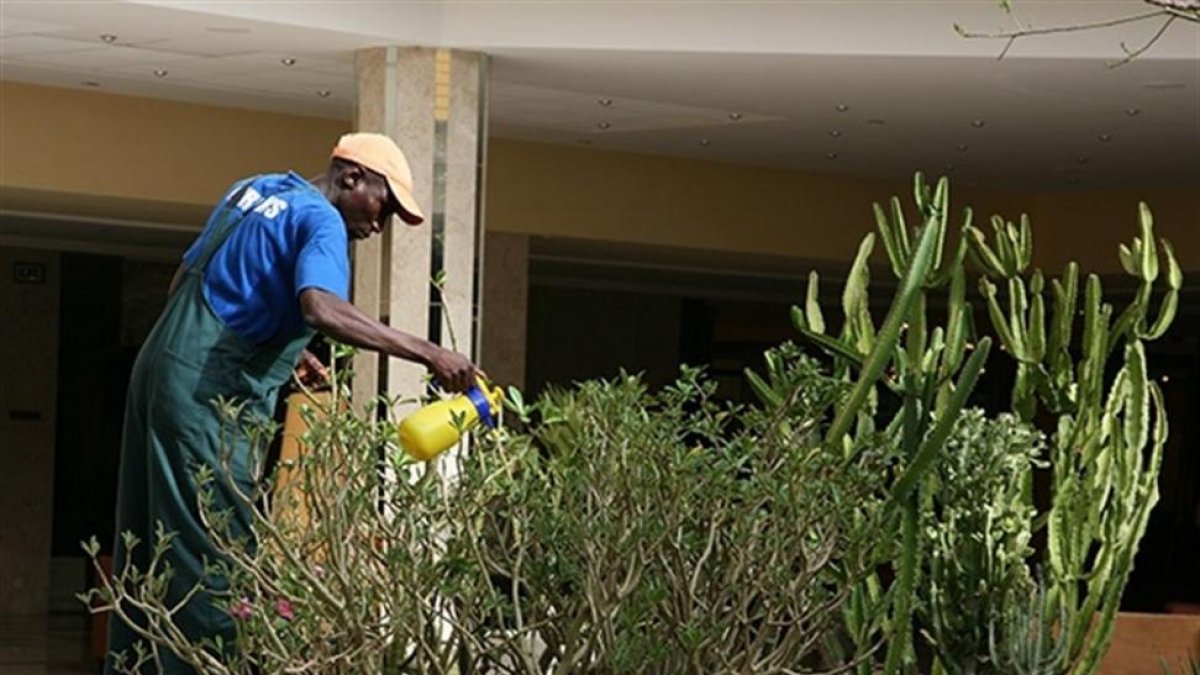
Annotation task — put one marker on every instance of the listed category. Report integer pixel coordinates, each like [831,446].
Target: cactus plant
[933,372]
[1030,643]
[1105,444]
[1104,480]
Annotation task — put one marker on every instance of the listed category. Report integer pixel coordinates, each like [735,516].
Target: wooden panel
[1141,640]
[289,503]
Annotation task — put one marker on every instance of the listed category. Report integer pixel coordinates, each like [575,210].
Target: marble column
[424,280]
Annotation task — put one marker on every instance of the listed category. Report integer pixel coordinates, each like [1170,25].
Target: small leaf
[812,305]
[1127,260]
[1174,273]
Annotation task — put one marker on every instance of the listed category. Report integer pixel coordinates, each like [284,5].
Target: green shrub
[621,531]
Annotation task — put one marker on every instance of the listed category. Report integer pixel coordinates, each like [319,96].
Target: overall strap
[229,217]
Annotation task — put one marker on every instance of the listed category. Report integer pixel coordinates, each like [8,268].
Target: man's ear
[350,177]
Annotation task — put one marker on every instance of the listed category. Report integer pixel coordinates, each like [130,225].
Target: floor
[45,645]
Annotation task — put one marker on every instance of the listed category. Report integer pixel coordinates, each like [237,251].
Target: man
[270,267]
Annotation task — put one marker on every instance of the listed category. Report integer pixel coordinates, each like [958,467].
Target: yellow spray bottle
[437,427]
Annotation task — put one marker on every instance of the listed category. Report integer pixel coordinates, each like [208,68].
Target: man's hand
[454,371]
[310,371]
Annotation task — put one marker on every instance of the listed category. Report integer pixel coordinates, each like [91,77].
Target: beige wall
[1088,226]
[99,144]
[113,155]
[554,190]
[28,373]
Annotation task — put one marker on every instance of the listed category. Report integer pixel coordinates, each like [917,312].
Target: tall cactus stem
[890,245]
[1166,315]
[900,644]
[941,199]
[999,322]
[1017,307]
[936,439]
[1004,247]
[1036,335]
[1149,261]
[901,229]
[1026,242]
[1066,294]
[888,334]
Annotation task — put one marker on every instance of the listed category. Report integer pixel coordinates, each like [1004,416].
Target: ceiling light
[961,147]
[842,107]
[735,116]
[108,37]
[1104,138]
[831,155]
[1165,379]
[835,133]
[1132,112]
[605,102]
[324,93]
[877,121]
[159,72]
[705,142]
[604,126]
[288,61]
[978,124]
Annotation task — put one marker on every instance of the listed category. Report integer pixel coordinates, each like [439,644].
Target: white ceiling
[916,95]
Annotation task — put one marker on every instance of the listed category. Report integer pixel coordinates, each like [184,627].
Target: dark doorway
[107,307]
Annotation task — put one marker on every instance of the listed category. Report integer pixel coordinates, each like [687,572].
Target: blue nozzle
[482,406]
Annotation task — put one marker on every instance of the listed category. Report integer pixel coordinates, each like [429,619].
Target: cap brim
[408,210]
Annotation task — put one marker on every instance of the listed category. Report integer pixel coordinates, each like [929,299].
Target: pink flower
[242,609]
[284,609]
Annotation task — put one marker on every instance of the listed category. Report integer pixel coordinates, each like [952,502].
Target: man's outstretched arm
[342,321]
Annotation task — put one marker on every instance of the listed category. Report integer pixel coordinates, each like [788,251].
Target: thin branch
[1131,55]
[1186,6]
[1169,9]
[1022,32]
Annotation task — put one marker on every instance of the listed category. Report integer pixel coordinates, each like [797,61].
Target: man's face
[364,203]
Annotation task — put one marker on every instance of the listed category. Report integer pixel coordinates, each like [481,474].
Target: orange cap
[380,154]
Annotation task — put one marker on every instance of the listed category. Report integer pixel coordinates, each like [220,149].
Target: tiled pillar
[433,102]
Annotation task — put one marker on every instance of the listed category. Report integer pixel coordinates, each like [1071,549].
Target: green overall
[172,428]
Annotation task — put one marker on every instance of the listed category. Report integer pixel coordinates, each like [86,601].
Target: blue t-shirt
[290,238]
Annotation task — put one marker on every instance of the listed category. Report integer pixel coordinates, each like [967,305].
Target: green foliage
[666,533]
[1189,666]
[978,534]
[964,511]
[619,532]
[1030,638]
